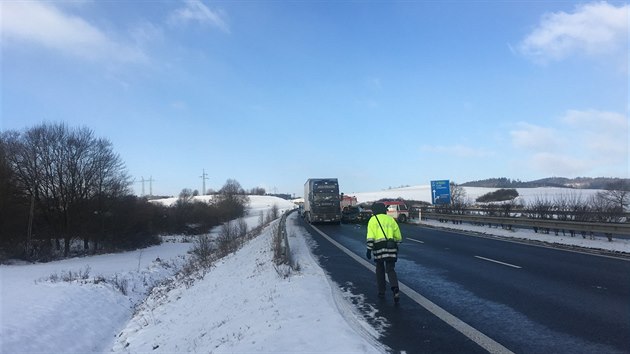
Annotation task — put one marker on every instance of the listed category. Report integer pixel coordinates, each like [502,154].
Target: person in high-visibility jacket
[381,229]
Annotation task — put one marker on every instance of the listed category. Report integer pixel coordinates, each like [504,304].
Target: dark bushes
[498,196]
[65,192]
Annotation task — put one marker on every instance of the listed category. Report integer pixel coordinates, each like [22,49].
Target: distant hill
[562,182]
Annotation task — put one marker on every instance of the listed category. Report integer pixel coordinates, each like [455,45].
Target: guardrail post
[286,251]
[540,225]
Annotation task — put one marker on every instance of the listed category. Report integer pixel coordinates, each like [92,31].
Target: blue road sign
[440,192]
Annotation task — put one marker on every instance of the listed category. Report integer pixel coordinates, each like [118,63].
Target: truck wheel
[402,218]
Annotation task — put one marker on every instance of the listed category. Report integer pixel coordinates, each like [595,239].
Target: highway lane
[407,327]
[528,298]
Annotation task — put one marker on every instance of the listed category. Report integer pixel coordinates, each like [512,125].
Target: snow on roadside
[39,316]
[245,305]
[596,243]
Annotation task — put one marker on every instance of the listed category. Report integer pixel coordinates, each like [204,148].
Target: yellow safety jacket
[377,242]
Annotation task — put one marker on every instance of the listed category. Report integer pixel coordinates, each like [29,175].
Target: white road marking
[499,262]
[464,328]
[411,239]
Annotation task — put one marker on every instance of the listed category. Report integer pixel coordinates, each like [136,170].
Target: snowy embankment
[243,304]
[80,316]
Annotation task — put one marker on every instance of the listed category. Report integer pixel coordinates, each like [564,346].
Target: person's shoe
[396,294]
[381,295]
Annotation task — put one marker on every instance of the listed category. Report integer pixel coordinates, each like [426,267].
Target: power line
[204,177]
[150,180]
[142,180]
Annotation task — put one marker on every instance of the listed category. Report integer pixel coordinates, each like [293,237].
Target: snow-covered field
[242,305]
[423,193]
[39,316]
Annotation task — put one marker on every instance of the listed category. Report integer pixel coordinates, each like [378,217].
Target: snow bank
[82,316]
[256,202]
[245,305]
[595,243]
[39,316]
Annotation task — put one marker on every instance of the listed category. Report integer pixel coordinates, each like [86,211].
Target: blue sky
[377,93]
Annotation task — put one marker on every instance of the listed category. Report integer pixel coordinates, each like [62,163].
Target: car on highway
[398,210]
[355,215]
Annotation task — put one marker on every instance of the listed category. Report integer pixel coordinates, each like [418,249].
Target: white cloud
[197,11]
[42,24]
[605,134]
[583,143]
[598,120]
[458,151]
[559,165]
[534,137]
[146,33]
[596,30]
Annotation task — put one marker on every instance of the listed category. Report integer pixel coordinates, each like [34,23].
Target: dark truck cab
[321,200]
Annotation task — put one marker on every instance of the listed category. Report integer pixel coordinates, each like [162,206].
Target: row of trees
[253,191]
[562,182]
[607,205]
[59,184]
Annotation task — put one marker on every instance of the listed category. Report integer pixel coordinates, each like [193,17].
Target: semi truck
[321,201]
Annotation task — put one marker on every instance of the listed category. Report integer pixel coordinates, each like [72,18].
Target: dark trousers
[383,267]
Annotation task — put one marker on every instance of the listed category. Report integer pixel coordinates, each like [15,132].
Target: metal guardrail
[603,228]
[516,212]
[282,228]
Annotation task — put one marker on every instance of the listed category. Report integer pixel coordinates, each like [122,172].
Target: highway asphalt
[468,294]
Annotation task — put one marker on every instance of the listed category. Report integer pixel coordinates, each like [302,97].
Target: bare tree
[605,209]
[275,212]
[242,228]
[185,196]
[258,191]
[232,199]
[617,193]
[62,168]
[232,188]
[458,194]
[14,207]
[458,198]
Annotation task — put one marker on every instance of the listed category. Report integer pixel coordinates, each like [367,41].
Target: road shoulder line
[473,334]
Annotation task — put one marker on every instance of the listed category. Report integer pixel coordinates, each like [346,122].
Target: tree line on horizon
[560,182]
[61,187]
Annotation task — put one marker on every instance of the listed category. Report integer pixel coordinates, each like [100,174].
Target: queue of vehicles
[324,204]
